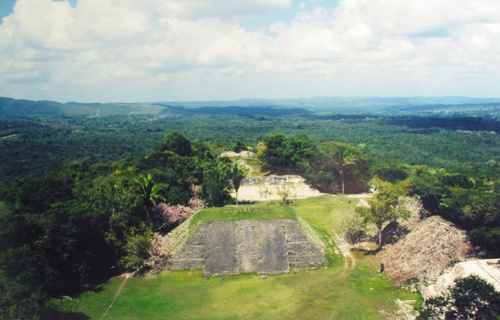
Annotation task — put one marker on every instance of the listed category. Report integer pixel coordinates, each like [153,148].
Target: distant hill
[12,107]
[327,103]
[15,108]
[272,107]
[238,110]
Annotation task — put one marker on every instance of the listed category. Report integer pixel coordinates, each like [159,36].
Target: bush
[137,247]
[353,227]
[471,298]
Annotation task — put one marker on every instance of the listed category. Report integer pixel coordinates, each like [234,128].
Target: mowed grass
[305,295]
[244,212]
[325,293]
[325,213]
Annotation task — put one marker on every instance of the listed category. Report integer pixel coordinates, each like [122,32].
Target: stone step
[262,246]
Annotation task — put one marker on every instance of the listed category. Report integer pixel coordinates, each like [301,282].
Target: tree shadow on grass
[52,314]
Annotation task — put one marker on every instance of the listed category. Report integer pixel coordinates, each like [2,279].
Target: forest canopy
[82,197]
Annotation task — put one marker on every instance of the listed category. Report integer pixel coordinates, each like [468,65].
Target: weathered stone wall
[262,246]
[251,188]
[488,270]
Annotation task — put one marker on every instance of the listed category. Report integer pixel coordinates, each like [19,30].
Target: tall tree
[137,247]
[239,146]
[274,153]
[384,206]
[149,192]
[177,143]
[340,157]
[237,173]
[299,148]
[287,152]
[216,184]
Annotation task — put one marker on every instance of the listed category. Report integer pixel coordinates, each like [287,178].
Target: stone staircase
[262,246]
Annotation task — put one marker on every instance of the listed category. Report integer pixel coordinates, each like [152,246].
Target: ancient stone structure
[262,246]
[488,269]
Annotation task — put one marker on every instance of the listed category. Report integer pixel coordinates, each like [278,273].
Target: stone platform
[262,246]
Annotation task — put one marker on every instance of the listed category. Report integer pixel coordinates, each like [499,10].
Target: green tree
[237,173]
[20,296]
[286,152]
[177,143]
[390,170]
[107,194]
[424,182]
[384,206]
[216,183]
[471,298]
[137,247]
[239,146]
[342,158]
[274,153]
[352,225]
[299,148]
[149,192]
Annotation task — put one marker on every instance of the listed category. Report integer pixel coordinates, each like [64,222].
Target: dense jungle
[80,183]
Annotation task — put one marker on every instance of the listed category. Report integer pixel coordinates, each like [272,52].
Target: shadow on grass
[366,252]
[52,314]
[97,289]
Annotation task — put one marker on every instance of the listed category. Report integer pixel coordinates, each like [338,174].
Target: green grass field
[244,212]
[326,293]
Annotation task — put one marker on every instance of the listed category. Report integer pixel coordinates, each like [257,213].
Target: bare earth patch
[254,189]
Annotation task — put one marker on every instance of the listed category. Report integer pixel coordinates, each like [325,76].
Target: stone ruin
[247,246]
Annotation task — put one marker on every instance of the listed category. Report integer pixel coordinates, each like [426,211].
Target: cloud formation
[151,50]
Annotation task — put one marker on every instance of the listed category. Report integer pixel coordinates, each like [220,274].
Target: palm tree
[216,183]
[237,173]
[149,192]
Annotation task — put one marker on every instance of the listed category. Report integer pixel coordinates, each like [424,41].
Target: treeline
[449,123]
[43,144]
[66,231]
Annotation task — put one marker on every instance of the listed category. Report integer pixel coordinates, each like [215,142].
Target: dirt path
[9,136]
[125,279]
[349,260]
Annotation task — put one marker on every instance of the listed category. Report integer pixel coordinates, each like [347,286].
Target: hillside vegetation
[83,197]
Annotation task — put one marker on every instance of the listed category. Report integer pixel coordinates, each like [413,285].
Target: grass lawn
[326,293]
[244,212]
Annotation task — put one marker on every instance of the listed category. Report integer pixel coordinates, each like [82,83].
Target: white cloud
[217,8]
[187,49]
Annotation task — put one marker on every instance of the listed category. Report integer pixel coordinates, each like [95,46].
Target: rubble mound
[262,246]
[488,270]
[426,251]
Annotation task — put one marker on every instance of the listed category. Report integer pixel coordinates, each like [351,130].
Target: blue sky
[254,21]
[164,50]
[6,7]
[284,14]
